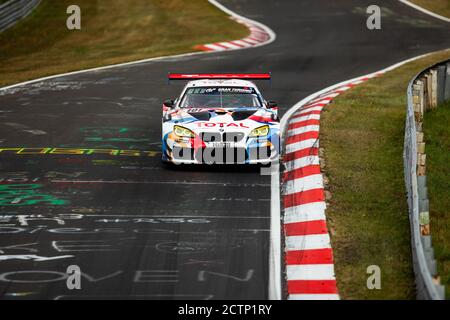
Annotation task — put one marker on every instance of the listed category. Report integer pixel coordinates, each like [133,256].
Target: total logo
[221,125]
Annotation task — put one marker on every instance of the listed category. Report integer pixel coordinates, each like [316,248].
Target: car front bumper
[181,154]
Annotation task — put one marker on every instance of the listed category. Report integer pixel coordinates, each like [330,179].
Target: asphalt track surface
[139,230]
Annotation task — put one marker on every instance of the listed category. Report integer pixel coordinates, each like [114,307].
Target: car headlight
[260,132]
[183,132]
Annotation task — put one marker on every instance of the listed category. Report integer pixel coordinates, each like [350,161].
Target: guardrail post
[418,101]
[424,216]
[447,83]
[441,70]
[434,91]
[422,187]
[441,290]
[427,92]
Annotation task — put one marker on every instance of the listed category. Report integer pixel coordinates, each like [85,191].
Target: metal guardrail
[425,91]
[14,10]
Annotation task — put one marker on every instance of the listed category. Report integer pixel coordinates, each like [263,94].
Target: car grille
[222,137]
[211,136]
[232,136]
[221,155]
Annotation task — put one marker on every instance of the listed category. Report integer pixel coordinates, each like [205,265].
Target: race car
[220,119]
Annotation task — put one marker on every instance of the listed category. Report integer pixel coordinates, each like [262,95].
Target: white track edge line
[417,7]
[275,235]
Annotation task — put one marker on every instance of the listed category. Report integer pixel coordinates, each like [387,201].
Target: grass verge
[111,32]
[441,7]
[362,134]
[437,138]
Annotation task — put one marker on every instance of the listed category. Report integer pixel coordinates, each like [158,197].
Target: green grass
[112,31]
[362,134]
[441,7]
[437,142]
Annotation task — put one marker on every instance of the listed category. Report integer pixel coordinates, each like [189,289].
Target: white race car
[220,119]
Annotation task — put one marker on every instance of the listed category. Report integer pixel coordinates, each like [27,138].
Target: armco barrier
[14,10]
[425,91]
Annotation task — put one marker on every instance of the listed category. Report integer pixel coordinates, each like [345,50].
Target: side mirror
[168,103]
[272,104]
[166,110]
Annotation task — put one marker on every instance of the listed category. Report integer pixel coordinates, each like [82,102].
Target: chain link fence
[14,10]
[425,91]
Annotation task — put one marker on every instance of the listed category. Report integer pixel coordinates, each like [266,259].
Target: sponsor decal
[74,151]
[221,125]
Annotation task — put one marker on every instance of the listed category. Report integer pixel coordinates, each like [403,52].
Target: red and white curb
[308,255]
[259,34]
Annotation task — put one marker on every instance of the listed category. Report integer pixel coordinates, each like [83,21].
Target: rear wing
[200,76]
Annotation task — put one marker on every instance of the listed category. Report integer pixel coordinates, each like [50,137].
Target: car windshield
[220,97]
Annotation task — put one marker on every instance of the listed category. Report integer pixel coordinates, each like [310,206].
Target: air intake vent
[242,115]
[202,116]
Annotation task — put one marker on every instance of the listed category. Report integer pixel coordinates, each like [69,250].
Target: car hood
[223,117]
